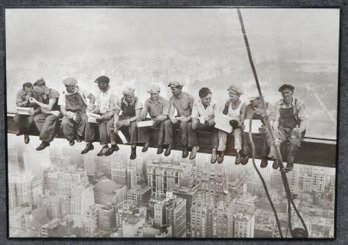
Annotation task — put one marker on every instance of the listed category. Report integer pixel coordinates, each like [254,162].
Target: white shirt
[198,110]
[106,101]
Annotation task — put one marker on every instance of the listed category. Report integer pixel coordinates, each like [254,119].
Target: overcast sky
[90,33]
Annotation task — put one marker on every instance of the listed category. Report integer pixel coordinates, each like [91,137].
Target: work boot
[79,138]
[221,155]
[168,150]
[264,163]
[145,148]
[244,160]
[43,145]
[275,164]
[185,152]
[71,142]
[18,133]
[89,147]
[238,158]
[213,156]
[103,150]
[291,157]
[160,150]
[289,167]
[133,154]
[111,150]
[194,151]
[26,139]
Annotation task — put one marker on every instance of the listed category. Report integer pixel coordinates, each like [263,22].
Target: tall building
[188,194]
[170,213]
[12,194]
[165,176]
[90,220]
[82,198]
[176,212]
[222,221]
[131,178]
[104,167]
[106,218]
[140,194]
[24,189]
[244,225]
[119,175]
[36,189]
[89,163]
[309,179]
[199,219]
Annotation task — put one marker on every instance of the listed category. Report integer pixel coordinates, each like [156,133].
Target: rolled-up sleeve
[115,102]
[165,110]
[194,113]
[19,99]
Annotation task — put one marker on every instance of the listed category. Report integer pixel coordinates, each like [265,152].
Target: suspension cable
[298,232]
[262,180]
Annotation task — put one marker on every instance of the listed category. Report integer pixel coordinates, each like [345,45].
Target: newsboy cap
[128,91]
[286,86]
[174,84]
[255,97]
[235,89]
[153,89]
[69,81]
[104,79]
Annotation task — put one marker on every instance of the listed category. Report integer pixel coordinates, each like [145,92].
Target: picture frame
[340,155]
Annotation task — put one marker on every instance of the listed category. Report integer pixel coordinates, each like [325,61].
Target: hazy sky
[34,34]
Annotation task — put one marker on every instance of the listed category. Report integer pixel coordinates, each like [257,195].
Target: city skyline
[65,198]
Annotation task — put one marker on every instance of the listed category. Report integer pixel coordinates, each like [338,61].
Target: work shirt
[208,113]
[182,103]
[50,94]
[106,101]
[83,93]
[257,113]
[129,109]
[155,108]
[22,97]
[298,110]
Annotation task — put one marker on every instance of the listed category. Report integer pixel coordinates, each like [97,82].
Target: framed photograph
[172,122]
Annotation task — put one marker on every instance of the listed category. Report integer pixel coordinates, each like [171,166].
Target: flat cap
[128,91]
[286,86]
[255,97]
[174,84]
[69,81]
[153,89]
[235,89]
[104,79]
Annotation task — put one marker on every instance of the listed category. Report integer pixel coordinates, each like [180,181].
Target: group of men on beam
[287,117]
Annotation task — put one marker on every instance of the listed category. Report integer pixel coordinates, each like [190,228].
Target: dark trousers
[161,133]
[46,123]
[265,147]
[23,123]
[186,132]
[105,132]
[71,128]
[290,142]
[213,134]
[131,130]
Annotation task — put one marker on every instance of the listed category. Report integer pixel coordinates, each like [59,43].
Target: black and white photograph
[172,122]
